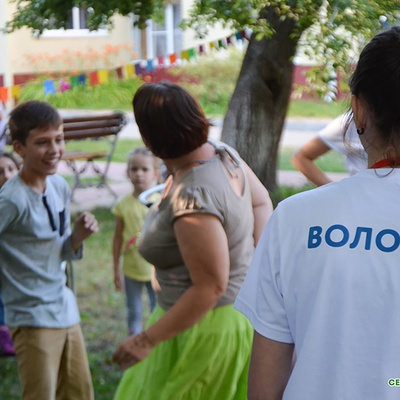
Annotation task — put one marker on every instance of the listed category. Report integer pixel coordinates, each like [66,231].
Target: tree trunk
[256,114]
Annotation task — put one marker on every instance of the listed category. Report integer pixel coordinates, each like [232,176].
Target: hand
[132,350]
[85,225]
[118,281]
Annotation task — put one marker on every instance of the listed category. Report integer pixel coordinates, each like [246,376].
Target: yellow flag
[15,92]
[185,55]
[103,76]
[129,71]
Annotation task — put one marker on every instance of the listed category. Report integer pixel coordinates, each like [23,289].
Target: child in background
[9,167]
[143,171]
[35,237]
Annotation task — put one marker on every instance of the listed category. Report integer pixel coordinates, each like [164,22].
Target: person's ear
[359,112]
[18,148]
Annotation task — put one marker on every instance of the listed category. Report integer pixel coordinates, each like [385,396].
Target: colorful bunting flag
[212,45]
[74,81]
[129,71]
[150,66]
[173,58]
[201,49]
[239,36]
[94,78]
[160,60]
[64,85]
[49,87]
[3,94]
[191,53]
[103,76]
[229,41]
[185,55]
[138,69]
[221,44]
[82,79]
[118,73]
[15,92]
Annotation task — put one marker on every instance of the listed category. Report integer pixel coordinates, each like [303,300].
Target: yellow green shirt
[132,212]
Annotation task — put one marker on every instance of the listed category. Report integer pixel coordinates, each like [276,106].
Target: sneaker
[6,345]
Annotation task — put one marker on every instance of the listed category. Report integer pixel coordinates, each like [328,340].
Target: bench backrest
[92,126]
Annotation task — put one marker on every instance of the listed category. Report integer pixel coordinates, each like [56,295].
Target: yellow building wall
[59,51]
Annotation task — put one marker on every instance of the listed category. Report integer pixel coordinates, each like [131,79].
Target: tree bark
[256,113]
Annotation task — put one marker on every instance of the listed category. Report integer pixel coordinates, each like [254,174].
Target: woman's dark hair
[32,115]
[170,120]
[376,80]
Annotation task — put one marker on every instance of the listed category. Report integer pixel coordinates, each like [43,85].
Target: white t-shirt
[315,282]
[352,150]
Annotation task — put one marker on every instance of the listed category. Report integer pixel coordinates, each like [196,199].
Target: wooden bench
[95,127]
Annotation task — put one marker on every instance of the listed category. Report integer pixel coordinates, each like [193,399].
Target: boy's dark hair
[376,80]
[11,157]
[31,115]
[170,120]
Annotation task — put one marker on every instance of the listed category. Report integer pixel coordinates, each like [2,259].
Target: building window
[76,26]
[166,37]
[77,18]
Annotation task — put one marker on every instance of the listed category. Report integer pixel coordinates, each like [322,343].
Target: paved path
[296,133]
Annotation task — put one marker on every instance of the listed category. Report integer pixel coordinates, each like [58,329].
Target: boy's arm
[117,246]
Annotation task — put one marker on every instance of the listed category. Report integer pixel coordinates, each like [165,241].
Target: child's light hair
[144,151]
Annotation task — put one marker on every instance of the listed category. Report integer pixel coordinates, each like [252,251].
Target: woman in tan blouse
[200,237]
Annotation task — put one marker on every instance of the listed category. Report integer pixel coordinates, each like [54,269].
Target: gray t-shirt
[34,240]
[205,189]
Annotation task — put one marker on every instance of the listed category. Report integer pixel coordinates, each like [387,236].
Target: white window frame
[76,31]
[168,32]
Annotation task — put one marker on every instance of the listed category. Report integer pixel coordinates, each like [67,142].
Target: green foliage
[329,33]
[39,15]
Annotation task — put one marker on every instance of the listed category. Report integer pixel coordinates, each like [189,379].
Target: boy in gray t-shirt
[35,237]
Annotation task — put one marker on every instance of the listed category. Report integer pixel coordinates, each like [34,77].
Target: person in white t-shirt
[331,138]
[323,287]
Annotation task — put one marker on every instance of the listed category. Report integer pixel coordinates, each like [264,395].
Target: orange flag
[3,94]
[172,58]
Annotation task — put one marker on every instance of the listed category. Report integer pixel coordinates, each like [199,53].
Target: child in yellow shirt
[143,171]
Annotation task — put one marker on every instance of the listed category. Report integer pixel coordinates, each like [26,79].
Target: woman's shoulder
[223,147]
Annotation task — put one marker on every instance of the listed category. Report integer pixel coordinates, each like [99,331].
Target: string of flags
[140,68]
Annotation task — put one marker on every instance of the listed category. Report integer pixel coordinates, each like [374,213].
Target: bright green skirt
[210,361]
